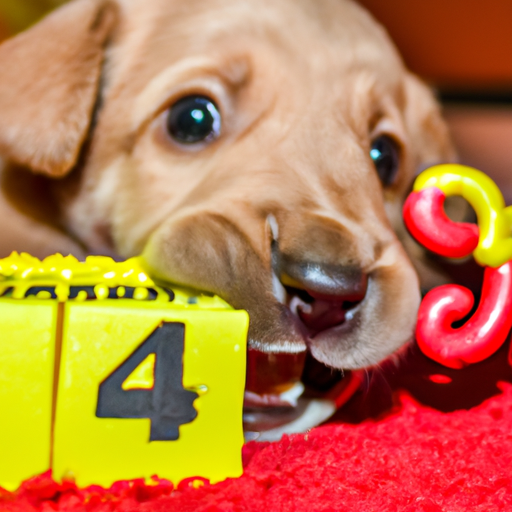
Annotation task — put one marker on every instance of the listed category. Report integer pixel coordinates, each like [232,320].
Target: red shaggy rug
[443,445]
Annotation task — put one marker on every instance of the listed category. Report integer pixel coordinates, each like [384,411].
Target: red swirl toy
[491,245]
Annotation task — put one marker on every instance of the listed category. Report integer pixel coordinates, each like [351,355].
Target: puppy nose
[326,292]
[324,281]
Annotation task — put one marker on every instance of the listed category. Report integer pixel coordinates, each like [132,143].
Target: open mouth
[288,393]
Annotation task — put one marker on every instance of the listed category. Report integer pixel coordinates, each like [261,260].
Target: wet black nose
[348,283]
[327,292]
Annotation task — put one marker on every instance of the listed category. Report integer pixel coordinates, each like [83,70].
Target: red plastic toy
[487,329]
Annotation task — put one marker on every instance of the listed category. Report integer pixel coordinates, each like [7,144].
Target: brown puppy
[259,150]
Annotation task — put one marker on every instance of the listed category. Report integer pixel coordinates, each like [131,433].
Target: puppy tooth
[350,314]
[297,303]
[293,394]
[278,289]
[273,225]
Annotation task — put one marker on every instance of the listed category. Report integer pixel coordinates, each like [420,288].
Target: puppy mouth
[291,393]
[287,393]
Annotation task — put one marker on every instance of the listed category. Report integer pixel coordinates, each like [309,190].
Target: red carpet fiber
[413,458]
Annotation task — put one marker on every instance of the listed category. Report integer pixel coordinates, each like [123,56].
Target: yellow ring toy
[494,218]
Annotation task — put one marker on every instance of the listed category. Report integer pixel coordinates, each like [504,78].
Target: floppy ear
[429,135]
[49,77]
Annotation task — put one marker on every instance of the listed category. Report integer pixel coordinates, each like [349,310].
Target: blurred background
[15,15]
[463,48]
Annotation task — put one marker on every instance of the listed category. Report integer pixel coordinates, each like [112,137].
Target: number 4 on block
[133,389]
[167,404]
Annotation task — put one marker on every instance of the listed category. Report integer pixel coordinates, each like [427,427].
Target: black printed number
[168,405]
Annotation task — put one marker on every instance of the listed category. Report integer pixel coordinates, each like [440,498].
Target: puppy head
[257,150]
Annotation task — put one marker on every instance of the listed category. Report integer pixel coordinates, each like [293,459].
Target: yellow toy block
[27,354]
[188,424]
[140,379]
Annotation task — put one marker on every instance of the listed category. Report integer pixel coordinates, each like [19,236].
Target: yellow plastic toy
[106,376]
[494,218]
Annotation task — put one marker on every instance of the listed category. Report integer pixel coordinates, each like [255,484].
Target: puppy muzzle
[349,316]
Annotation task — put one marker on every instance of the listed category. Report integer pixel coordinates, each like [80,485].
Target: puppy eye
[194,119]
[386,158]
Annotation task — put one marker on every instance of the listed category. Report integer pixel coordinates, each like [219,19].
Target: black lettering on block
[168,405]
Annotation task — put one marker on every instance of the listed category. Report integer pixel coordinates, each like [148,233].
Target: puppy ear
[49,80]
[429,135]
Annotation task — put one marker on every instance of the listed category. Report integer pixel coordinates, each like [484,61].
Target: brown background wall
[457,44]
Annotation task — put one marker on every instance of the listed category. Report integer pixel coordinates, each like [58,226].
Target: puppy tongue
[273,379]
[322,314]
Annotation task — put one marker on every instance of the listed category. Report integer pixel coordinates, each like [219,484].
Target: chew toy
[491,245]
[107,376]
